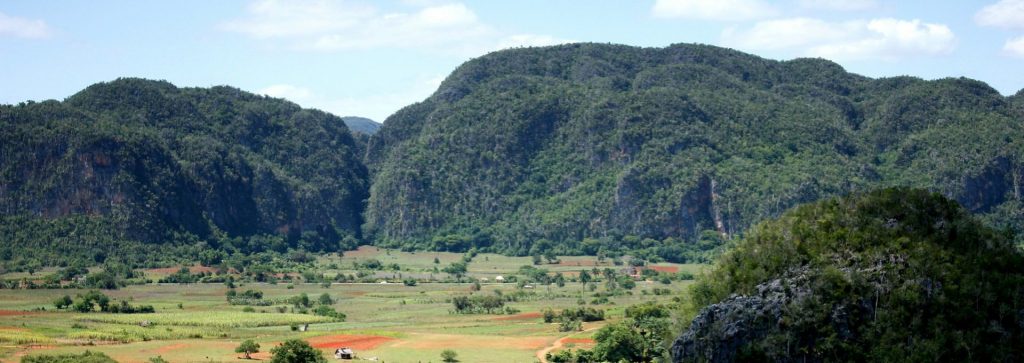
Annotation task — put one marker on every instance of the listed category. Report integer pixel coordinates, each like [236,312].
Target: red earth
[668,269]
[16,312]
[523,316]
[362,342]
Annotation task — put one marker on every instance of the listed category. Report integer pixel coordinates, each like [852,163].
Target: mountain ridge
[756,135]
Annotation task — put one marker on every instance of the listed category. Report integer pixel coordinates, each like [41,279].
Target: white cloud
[787,33]
[839,5]
[1015,46]
[852,40]
[528,40]
[1003,14]
[727,10]
[292,93]
[23,28]
[346,25]
[376,106]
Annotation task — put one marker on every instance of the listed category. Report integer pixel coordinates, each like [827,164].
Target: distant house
[484,279]
[635,272]
[499,279]
[344,353]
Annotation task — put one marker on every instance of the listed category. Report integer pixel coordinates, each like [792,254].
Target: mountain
[129,166]
[361,124]
[585,148]
[896,275]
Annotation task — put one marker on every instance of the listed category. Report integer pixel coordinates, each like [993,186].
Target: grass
[215,319]
[417,320]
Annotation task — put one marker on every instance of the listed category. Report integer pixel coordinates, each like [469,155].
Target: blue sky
[370,58]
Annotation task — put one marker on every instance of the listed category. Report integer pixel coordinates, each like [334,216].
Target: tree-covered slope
[144,161]
[586,146]
[895,275]
[361,124]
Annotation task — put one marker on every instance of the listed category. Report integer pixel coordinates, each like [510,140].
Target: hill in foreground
[896,275]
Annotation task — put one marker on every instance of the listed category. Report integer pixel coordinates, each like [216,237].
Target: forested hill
[584,147]
[361,124]
[134,161]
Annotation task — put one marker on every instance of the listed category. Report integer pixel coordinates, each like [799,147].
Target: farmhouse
[344,353]
[499,278]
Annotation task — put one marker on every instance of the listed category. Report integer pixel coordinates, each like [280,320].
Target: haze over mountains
[573,149]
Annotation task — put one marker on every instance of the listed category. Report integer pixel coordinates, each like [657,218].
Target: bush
[63,302]
[296,351]
[248,347]
[549,316]
[324,310]
[449,356]
[87,357]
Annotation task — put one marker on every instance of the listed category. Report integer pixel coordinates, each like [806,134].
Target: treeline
[88,302]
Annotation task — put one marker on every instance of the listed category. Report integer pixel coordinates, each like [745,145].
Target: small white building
[499,278]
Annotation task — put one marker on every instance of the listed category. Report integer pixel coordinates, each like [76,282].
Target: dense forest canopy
[123,167]
[585,147]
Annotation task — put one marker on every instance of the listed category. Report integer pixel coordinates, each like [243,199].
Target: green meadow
[386,319]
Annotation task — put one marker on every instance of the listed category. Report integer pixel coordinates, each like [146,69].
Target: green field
[389,321]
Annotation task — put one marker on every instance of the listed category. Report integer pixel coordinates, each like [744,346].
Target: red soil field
[523,316]
[668,269]
[169,348]
[16,312]
[362,342]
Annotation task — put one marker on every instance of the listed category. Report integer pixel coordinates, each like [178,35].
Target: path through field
[542,354]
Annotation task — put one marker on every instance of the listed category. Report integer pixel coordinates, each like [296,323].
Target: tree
[302,301]
[550,256]
[296,351]
[449,356]
[248,347]
[63,302]
[584,277]
[325,299]
[457,269]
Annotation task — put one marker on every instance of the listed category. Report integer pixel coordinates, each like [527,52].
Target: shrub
[248,347]
[449,356]
[296,351]
[87,357]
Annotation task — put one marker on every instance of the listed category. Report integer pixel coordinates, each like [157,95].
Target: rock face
[719,332]
[723,332]
[897,275]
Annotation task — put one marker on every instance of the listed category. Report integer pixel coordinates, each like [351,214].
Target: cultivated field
[390,322]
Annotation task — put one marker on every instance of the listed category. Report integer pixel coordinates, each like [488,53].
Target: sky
[371,58]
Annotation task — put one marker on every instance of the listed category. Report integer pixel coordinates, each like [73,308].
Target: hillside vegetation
[896,275]
[131,167]
[592,148]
